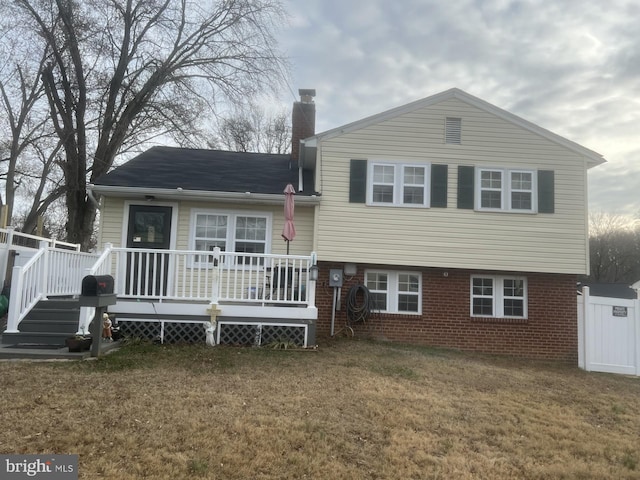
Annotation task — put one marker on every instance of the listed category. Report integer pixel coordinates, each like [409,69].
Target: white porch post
[10,231]
[311,294]
[83,320]
[44,286]
[14,305]
[311,301]
[215,276]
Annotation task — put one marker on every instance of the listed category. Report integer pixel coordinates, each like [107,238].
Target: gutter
[182,194]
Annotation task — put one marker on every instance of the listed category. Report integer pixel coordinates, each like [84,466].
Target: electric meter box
[335,278]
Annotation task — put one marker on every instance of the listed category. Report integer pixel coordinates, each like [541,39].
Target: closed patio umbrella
[289,230]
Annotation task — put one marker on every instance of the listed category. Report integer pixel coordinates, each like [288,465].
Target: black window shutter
[358,181]
[466,178]
[439,185]
[546,191]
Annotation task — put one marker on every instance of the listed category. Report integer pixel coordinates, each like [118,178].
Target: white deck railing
[50,272]
[161,275]
[9,238]
[213,276]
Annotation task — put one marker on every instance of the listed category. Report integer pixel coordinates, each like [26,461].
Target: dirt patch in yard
[353,409]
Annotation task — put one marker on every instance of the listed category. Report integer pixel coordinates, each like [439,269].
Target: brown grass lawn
[351,410]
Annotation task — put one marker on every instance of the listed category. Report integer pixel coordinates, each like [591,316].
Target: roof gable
[593,158]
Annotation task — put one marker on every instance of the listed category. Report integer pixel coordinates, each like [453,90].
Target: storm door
[149,229]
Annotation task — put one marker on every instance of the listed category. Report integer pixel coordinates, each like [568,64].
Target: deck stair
[49,323]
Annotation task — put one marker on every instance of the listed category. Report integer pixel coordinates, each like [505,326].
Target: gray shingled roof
[207,170]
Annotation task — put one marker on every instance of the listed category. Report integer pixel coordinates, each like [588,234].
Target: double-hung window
[500,297]
[506,190]
[395,292]
[399,184]
[521,190]
[250,234]
[231,232]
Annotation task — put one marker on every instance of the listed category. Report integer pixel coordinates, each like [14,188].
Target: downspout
[300,184]
[92,198]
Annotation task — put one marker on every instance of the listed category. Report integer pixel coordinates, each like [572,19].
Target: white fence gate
[608,334]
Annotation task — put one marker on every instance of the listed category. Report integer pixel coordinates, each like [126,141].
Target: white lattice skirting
[227,333]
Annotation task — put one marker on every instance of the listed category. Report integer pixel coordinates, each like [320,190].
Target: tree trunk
[81,217]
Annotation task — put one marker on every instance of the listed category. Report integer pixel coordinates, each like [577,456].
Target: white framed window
[395,292]
[383,184]
[242,232]
[398,184]
[499,297]
[250,234]
[521,190]
[506,190]
[210,231]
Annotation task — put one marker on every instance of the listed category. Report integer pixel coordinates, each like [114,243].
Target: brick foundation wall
[549,332]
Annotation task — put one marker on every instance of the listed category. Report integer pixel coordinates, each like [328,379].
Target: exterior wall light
[313,269]
[313,273]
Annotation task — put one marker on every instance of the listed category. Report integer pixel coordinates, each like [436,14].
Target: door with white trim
[148,229]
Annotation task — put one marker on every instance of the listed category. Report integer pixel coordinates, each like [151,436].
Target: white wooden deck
[173,285]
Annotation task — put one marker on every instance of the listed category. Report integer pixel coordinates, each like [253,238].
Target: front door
[149,228]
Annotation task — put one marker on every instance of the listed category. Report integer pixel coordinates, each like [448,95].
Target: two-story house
[466,224]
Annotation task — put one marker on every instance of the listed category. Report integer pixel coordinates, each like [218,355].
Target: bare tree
[121,72]
[251,129]
[27,140]
[277,137]
[237,134]
[614,245]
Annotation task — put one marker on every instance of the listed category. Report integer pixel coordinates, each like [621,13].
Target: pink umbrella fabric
[289,230]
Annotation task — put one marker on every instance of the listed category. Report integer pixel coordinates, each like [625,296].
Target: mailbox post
[97,291]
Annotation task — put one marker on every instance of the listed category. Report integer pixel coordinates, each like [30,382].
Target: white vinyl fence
[608,334]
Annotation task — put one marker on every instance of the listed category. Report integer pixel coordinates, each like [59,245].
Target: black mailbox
[97,291]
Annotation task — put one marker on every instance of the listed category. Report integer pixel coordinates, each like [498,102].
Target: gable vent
[453,130]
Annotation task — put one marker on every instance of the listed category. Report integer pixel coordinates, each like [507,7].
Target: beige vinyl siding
[451,237]
[111,221]
[114,211]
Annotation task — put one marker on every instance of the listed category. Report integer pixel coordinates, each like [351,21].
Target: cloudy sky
[570,66]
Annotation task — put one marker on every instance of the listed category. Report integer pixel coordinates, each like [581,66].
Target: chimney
[303,120]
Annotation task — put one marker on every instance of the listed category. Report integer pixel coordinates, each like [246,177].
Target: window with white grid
[500,297]
[395,292]
[506,190]
[398,184]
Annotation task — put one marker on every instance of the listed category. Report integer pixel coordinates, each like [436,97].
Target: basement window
[395,292]
[498,297]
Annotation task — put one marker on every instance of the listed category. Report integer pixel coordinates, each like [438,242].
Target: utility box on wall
[335,278]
